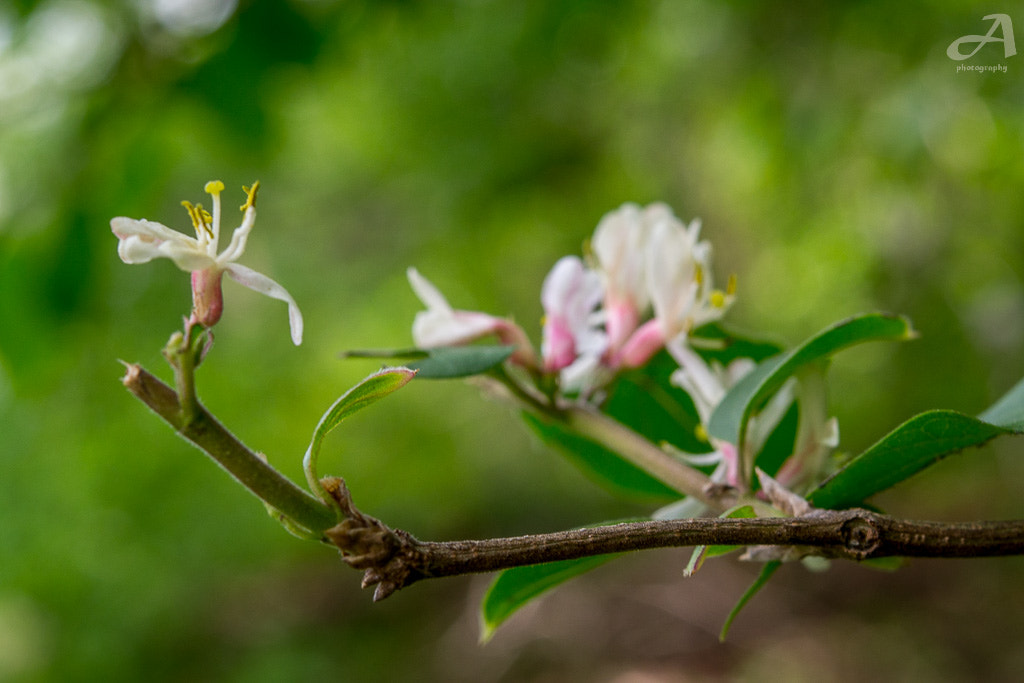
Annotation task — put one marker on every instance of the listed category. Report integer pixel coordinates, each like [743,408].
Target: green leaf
[730,418]
[369,391]
[443,362]
[460,361]
[514,588]
[387,354]
[604,466]
[759,583]
[916,444]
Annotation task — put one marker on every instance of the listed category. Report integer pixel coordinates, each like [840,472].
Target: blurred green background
[839,162]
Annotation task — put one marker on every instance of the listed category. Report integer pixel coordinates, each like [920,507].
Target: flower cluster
[141,241]
[646,286]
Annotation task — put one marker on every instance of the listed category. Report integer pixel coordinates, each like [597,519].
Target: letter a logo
[1003,23]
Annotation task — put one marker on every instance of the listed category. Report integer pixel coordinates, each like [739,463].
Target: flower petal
[618,245]
[264,285]
[433,327]
[440,324]
[141,241]
[425,290]
[123,226]
[570,294]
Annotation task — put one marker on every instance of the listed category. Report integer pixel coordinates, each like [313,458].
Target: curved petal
[425,290]
[264,285]
[239,237]
[141,241]
[123,226]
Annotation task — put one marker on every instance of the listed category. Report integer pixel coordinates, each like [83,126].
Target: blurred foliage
[838,160]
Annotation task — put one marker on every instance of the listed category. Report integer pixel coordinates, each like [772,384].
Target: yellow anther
[214,187]
[698,275]
[701,433]
[201,218]
[718,298]
[251,196]
[730,287]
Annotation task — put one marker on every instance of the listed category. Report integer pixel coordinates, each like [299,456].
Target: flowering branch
[641,298]
[393,559]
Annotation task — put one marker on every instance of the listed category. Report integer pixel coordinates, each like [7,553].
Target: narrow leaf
[369,391]
[916,444]
[516,587]
[730,418]
[460,361]
[442,362]
[759,583]
[389,354]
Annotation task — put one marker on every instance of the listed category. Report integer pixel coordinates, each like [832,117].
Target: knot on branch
[366,543]
[860,537]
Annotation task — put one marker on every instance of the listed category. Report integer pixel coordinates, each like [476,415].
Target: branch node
[860,537]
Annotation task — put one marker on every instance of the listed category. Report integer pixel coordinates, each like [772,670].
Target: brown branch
[394,559]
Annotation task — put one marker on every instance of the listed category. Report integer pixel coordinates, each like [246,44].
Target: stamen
[718,298]
[730,287]
[214,187]
[251,192]
[201,218]
[698,275]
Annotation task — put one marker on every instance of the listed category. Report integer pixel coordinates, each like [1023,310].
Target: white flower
[620,249]
[678,272]
[141,241]
[574,340]
[679,277]
[442,325]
